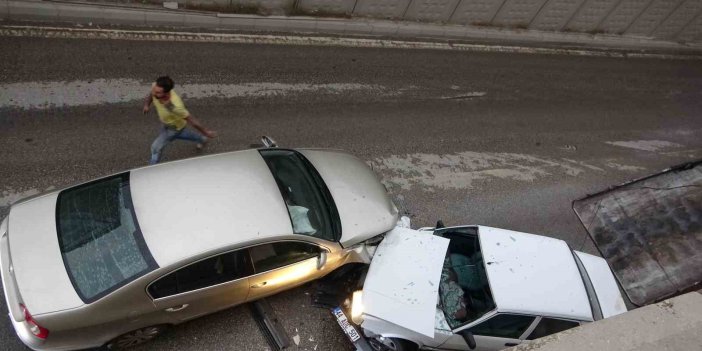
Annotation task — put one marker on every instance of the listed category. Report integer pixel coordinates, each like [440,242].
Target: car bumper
[26,336]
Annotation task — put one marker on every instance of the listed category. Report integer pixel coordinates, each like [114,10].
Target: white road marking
[626,168]
[461,170]
[586,165]
[466,95]
[43,95]
[90,33]
[645,145]
[10,196]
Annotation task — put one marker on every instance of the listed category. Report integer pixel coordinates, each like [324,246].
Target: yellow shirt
[173,112]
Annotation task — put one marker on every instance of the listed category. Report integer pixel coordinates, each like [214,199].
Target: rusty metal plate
[650,232]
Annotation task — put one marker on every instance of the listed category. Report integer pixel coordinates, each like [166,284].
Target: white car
[464,287]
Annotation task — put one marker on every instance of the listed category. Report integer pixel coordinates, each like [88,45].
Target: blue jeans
[169,134]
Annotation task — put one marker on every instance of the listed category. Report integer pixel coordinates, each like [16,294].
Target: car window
[509,326]
[548,326]
[271,256]
[464,290]
[309,203]
[99,237]
[208,272]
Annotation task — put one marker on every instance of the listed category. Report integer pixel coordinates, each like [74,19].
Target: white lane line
[42,95]
[626,168]
[584,164]
[466,170]
[469,95]
[645,145]
[462,170]
[90,33]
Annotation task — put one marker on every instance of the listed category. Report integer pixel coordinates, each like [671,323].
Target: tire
[136,337]
[392,344]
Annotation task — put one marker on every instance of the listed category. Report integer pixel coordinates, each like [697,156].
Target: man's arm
[147,102]
[196,124]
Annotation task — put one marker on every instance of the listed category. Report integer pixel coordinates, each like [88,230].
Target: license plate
[345,325]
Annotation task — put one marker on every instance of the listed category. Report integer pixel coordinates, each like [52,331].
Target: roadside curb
[238,38]
[100,14]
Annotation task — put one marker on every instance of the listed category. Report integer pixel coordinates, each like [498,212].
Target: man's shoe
[201,145]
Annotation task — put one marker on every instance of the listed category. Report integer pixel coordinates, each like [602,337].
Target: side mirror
[322,260]
[468,337]
[268,141]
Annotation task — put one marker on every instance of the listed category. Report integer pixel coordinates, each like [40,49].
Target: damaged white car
[469,287]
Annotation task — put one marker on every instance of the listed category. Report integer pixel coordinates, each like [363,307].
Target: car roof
[193,206]
[533,274]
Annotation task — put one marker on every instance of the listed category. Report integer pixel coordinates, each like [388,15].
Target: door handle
[511,344]
[259,285]
[179,308]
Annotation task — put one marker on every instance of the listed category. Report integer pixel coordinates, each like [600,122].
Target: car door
[203,287]
[498,332]
[282,265]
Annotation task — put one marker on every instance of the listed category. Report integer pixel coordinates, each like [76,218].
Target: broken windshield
[101,244]
[310,205]
[464,290]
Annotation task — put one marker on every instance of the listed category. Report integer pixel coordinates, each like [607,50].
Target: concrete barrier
[477,13]
[33,10]
[431,10]
[517,13]
[327,7]
[678,20]
[675,20]
[657,25]
[391,9]
[673,324]
[4,9]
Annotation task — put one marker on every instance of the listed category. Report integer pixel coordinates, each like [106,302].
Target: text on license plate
[345,325]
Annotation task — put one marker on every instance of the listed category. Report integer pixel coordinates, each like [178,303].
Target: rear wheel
[391,344]
[136,337]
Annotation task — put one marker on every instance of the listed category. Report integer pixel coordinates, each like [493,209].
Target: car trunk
[40,278]
[650,232]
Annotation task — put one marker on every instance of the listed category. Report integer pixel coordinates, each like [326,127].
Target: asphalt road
[505,140]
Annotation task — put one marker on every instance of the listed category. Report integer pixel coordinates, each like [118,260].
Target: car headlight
[357,307]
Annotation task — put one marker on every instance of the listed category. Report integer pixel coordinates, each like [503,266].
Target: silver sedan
[116,260]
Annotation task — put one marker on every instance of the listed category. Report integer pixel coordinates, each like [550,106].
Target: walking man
[172,113]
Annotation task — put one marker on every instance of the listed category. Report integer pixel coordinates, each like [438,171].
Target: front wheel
[136,337]
[391,344]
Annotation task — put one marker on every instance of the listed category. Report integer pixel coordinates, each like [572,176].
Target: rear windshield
[100,240]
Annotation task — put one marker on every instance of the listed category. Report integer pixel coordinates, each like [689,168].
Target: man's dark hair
[165,82]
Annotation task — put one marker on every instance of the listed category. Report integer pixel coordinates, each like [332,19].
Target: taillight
[36,329]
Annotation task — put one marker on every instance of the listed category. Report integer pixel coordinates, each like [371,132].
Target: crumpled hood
[402,284]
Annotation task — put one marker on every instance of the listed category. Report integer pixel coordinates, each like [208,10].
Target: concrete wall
[677,20]
[673,324]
